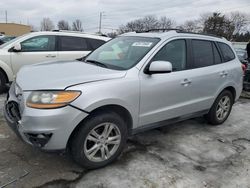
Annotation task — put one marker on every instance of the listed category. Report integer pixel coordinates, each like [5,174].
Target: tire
[217,116]
[83,143]
[3,82]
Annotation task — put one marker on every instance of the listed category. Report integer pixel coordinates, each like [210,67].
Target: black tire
[77,144]
[211,116]
[3,82]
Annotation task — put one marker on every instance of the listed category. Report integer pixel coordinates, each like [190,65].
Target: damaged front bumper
[48,129]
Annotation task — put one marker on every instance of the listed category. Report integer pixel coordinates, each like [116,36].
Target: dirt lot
[187,154]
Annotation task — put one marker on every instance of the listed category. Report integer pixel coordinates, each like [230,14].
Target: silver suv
[135,82]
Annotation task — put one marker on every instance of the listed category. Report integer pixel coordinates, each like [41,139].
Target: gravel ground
[187,154]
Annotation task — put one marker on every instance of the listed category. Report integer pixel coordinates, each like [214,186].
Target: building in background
[13,29]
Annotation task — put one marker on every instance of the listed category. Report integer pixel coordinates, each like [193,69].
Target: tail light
[244,68]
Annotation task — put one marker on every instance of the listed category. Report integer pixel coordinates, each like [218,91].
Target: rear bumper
[45,129]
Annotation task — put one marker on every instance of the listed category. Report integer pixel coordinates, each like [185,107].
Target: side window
[227,52]
[217,58]
[202,53]
[175,53]
[95,43]
[39,43]
[73,44]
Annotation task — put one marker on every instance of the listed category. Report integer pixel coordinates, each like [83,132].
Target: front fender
[121,92]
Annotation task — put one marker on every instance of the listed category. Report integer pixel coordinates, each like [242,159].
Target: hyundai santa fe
[135,82]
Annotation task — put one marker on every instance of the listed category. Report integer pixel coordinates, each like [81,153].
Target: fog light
[38,140]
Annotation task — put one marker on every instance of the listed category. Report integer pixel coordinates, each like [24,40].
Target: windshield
[122,53]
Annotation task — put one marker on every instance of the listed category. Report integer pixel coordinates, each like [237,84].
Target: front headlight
[51,99]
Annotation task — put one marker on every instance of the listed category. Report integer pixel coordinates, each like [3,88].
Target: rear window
[202,53]
[227,52]
[95,43]
[73,44]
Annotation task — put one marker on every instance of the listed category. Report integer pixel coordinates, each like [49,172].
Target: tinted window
[227,52]
[217,58]
[203,53]
[39,43]
[175,53]
[95,43]
[73,44]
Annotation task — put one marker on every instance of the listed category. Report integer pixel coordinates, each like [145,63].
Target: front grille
[12,109]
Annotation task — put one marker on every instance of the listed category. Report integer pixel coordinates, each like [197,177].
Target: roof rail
[160,29]
[68,31]
[178,31]
[205,34]
[80,32]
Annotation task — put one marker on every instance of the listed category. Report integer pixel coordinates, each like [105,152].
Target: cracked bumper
[52,126]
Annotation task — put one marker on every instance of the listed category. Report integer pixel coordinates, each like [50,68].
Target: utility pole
[6,16]
[100,22]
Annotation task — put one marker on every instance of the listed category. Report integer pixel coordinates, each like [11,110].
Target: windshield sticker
[142,44]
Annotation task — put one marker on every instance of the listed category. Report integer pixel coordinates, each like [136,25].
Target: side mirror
[17,47]
[159,67]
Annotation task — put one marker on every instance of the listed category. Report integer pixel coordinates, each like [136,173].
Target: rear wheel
[221,108]
[99,141]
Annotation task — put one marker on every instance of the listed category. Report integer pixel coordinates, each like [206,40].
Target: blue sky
[116,12]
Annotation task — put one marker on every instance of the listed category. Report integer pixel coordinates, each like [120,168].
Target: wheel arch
[118,109]
[7,71]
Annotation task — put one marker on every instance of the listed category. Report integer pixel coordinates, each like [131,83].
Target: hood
[62,74]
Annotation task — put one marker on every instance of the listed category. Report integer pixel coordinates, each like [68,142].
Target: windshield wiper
[96,63]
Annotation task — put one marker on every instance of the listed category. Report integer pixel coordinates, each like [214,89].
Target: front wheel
[3,82]
[99,141]
[221,108]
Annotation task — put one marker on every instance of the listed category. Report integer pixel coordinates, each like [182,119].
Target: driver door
[34,50]
[168,95]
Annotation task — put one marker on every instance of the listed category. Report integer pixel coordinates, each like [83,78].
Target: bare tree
[77,25]
[147,23]
[63,25]
[191,26]
[165,23]
[47,25]
[150,22]
[239,20]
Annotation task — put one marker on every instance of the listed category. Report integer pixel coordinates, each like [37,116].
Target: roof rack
[80,32]
[160,29]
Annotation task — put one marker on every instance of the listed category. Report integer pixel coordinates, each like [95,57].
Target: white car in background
[1,35]
[37,47]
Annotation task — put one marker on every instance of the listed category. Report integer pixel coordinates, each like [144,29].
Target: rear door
[71,47]
[208,73]
[34,50]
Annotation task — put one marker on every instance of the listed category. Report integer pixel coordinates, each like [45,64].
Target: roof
[173,33]
[70,33]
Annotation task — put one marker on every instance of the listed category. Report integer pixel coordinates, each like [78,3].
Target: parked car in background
[44,46]
[242,54]
[135,82]
[6,39]
[1,35]
[240,49]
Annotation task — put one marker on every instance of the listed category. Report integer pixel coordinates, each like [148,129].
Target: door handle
[223,73]
[186,82]
[51,55]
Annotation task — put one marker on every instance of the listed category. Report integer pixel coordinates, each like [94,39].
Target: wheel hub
[102,142]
